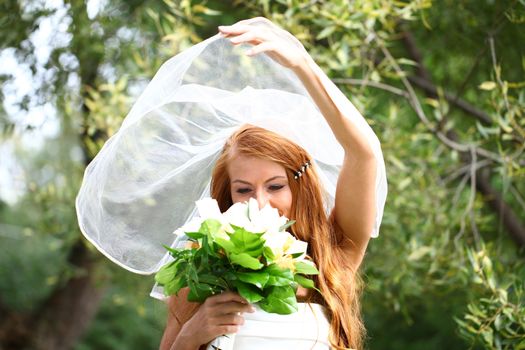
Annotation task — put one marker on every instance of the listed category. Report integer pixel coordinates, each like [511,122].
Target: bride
[258,163]
[244,114]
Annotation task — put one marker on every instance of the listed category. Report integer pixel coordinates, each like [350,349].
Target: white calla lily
[237,215]
[270,219]
[209,209]
[298,247]
[277,242]
[193,225]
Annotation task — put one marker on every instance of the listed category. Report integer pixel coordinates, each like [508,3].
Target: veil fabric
[144,182]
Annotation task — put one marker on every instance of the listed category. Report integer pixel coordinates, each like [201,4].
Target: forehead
[244,167]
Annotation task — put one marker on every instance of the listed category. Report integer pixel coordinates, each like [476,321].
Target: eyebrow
[270,179]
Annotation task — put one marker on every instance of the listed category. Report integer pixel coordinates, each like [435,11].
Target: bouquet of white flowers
[245,249]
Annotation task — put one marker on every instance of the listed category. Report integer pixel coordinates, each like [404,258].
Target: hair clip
[301,170]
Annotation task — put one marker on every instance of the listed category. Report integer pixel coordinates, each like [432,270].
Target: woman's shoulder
[306,295]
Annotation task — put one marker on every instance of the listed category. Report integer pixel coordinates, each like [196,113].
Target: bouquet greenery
[245,249]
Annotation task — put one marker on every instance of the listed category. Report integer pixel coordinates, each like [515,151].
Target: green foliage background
[446,271]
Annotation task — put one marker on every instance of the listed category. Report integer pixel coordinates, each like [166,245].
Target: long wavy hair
[338,281]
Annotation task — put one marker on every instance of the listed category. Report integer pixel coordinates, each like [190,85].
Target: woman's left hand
[277,43]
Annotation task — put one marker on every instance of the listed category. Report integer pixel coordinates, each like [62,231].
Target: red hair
[338,281]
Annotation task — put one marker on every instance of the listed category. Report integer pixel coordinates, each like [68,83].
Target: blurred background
[442,83]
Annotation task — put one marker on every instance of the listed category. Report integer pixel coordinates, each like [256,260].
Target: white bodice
[306,329]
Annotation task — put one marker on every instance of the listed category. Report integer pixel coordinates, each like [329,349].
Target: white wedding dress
[307,329]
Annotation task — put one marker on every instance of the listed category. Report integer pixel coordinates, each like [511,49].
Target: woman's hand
[266,37]
[218,315]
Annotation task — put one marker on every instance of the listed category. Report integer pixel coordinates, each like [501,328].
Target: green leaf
[203,9]
[192,273]
[305,268]
[248,292]
[199,291]
[246,260]
[280,300]
[285,226]
[210,226]
[296,255]
[203,253]
[488,336]
[325,32]
[227,245]
[166,273]
[487,85]
[174,252]
[175,285]
[278,276]
[268,254]
[304,281]
[195,235]
[258,279]
[213,280]
[247,242]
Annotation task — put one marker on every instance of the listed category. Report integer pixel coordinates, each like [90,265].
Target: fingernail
[252,309]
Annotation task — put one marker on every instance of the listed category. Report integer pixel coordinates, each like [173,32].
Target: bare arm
[354,210]
[177,305]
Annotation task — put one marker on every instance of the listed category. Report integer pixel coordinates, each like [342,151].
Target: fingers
[270,39]
[251,37]
[246,34]
[234,308]
[229,320]
[229,329]
[219,314]
[226,297]
[228,303]
[227,308]
[264,47]
[242,31]
[235,29]
[255,20]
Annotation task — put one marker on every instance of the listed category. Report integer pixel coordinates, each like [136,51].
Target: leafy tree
[442,85]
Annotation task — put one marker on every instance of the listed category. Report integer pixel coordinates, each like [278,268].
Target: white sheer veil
[144,182]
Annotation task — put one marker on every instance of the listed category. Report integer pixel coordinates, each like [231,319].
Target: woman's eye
[276,187]
[243,190]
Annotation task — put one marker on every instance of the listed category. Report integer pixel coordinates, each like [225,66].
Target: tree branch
[480,179]
[365,83]
[431,90]
[509,219]
[414,101]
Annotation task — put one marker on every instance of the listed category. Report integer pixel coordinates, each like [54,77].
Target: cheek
[284,203]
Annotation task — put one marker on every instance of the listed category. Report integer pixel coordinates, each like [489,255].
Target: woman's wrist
[304,70]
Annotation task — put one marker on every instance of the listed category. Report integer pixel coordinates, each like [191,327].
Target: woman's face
[264,180]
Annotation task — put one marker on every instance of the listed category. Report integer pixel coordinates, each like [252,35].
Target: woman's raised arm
[355,208]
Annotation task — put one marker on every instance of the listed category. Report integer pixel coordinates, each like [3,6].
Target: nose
[262,198]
